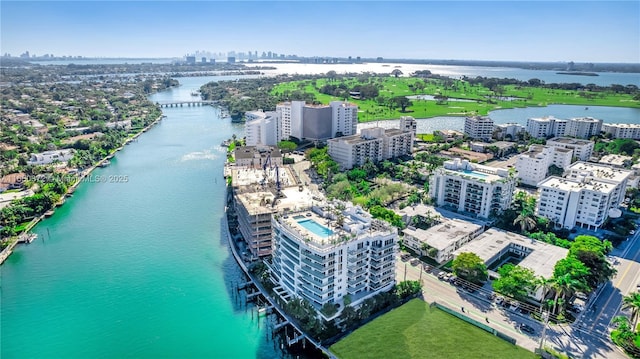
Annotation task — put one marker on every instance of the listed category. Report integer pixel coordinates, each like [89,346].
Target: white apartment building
[508,130]
[344,118]
[584,197]
[543,127]
[478,127]
[289,115]
[477,190]
[261,128]
[316,122]
[533,165]
[375,144]
[47,157]
[325,253]
[440,241]
[584,127]
[622,130]
[582,149]
[408,123]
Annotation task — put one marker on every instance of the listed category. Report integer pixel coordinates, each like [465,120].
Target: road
[579,343]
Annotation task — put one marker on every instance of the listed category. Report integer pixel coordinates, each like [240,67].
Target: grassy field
[416,331]
[371,110]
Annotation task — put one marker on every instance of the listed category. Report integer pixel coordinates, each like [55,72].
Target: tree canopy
[469,266]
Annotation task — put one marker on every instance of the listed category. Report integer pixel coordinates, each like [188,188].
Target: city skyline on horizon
[460,30]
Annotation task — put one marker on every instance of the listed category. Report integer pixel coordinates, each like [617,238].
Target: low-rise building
[440,241]
[257,156]
[48,157]
[496,246]
[618,161]
[325,253]
[582,149]
[533,165]
[498,148]
[476,190]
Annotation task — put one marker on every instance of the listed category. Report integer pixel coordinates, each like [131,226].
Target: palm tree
[526,221]
[632,302]
[563,285]
[546,285]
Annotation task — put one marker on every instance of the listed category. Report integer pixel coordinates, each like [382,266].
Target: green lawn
[416,331]
[371,110]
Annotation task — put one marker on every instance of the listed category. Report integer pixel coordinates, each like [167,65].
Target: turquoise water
[316,228]
[137,269]
[475,174]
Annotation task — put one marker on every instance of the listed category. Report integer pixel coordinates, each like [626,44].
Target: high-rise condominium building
[323,254]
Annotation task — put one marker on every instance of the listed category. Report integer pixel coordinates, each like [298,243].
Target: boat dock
[27,238]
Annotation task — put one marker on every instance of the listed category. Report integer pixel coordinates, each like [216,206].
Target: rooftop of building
[466,169]
[575,185]
[325,226]
[570,141]
[504,125]
[622,125]
[479,118]
[370,134]
[444,234]
[541,259]
[535,150]
[585,119]
[600,171]
[545,119]
[455,152]
[503,145]
[615,160]
[264,200]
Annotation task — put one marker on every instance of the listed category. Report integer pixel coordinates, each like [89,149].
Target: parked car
[581,295]
[415,262]
[499,300]
[527,328]
[513,306]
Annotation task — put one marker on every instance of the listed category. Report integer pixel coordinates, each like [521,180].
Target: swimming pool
[316,228]
[476,174]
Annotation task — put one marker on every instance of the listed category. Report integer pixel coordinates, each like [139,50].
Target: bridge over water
[186,103]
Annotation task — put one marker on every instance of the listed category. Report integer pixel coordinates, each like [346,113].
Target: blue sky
[581,31]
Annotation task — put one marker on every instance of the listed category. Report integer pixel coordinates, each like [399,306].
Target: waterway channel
[137,267]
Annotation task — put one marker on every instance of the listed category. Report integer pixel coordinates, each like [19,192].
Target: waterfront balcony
[313,264]
[354,252]
[353,289]
[313,272]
